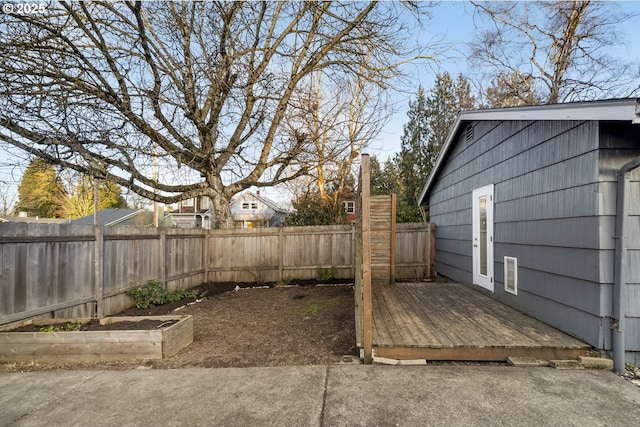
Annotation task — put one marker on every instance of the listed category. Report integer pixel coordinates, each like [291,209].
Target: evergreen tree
[413,157]
[379,183]
[40,191]
[430,118]
[310,209]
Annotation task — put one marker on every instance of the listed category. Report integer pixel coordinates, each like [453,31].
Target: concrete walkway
[337,395]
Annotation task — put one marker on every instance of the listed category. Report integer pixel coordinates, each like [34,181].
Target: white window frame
[507,260]
[349,206]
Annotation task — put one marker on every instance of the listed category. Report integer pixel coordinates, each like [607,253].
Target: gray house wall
[552,211]
[619,144]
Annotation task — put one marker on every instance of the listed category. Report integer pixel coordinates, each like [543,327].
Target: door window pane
[483,236]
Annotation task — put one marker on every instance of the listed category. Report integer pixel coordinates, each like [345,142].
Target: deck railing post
[392,261]
[367,315]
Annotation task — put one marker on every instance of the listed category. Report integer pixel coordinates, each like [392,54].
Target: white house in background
[250,210]
[191,213]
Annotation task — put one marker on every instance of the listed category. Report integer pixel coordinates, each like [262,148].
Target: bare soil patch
[250,325]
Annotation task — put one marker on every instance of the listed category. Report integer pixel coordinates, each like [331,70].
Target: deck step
[523,362]
[566,364]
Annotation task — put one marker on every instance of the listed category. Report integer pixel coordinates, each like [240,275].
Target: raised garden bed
[160,342]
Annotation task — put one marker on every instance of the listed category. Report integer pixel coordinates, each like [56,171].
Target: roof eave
[123,218]
[607,110]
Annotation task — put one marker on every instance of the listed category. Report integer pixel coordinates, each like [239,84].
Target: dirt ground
[304,323]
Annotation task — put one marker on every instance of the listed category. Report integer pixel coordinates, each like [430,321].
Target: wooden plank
[478,353]
[444,318]
[42,310]
[412,331]
[98,273]
[429,334]
[177,336]
[367,321]
[431,250]
[392,261]
[460,324]
[476,318]
[428,317]
[388,331]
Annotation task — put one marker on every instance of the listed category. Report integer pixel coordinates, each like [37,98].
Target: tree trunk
[222,212]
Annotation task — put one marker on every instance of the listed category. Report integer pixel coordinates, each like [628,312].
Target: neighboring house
[524,203]
[133,217]
[250,210]
[191,213]
[349,207]
[22,217]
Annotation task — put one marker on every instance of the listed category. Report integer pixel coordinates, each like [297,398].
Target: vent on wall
[511,275]
[468,133]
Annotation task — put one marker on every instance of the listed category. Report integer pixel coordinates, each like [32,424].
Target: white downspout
[618,321]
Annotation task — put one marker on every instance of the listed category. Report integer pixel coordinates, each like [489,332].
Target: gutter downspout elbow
[620,271]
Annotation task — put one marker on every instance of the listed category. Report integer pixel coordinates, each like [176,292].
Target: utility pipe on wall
[620,260]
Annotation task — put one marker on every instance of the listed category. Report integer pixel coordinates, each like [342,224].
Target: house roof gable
[627,110]
[264,200]
[108,216]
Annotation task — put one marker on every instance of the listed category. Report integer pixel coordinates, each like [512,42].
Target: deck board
[449,321]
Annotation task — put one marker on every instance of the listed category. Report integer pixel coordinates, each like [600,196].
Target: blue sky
[452,23]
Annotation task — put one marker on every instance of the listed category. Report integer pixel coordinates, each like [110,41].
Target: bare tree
[7,198]
[562,45]
[511,90]
[340,119]
[201,88]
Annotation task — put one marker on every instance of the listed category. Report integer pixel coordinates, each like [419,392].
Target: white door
[482,224]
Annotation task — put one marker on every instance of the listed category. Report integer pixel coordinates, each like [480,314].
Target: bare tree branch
[561,45]
[104,87]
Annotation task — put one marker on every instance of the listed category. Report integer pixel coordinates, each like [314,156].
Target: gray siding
[618,145]
[546,200]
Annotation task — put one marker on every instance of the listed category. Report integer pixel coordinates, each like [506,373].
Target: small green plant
[179,294]
[70,326]
[316,306]
[153,293]
[325,274]
[149,295]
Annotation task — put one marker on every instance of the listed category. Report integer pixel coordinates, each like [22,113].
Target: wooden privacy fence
[69,271]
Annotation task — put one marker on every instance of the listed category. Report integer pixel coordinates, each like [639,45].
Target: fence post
[431,244]
[163,257]
[98,266]
[354,259]
[392,261]
[205,255]
[367,312]
[280,255]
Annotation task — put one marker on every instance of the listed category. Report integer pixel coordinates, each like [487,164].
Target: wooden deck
[448,321]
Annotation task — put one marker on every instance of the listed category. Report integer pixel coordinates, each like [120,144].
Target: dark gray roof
[108,217]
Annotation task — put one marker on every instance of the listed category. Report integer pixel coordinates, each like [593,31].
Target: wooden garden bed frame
[91,346]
